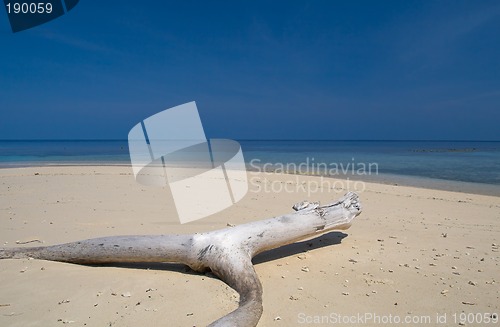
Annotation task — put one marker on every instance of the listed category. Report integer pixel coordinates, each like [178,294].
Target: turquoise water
[464,161]
[29,153]
[477,162]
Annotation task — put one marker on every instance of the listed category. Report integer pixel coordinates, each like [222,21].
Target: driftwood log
[226,252]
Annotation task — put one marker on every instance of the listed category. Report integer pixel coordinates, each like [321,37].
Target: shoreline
[379,178]
[425,183]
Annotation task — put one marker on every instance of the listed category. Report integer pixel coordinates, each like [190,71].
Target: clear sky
[258,69]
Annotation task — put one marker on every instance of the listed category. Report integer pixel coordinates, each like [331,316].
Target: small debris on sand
[29,241]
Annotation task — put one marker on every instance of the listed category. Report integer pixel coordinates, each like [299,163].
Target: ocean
[456,165]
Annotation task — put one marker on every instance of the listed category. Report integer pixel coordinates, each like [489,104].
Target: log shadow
[327,239]
[160,266]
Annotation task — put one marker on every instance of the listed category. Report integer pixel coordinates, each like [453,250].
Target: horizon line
[262,140]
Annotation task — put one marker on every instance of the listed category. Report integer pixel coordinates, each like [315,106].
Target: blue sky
[395,70]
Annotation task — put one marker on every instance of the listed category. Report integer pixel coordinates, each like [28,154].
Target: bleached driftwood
[227,252]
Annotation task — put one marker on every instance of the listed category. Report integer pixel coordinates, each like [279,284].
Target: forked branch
[226,252]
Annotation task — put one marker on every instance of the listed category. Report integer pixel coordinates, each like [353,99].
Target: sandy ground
[413,254]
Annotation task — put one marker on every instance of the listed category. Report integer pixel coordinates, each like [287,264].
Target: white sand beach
[413,253]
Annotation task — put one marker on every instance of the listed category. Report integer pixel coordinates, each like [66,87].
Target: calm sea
[433,162]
